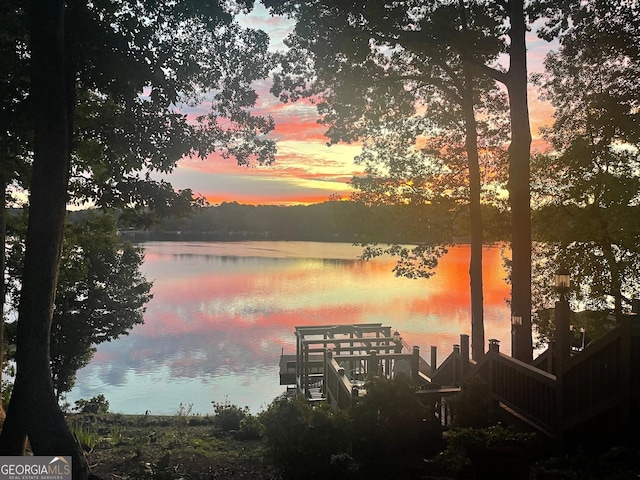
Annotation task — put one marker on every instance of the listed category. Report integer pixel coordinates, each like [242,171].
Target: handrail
[456,366]
[337,387]
[544,361]
[603,376]
[319,329]
[526,390]
[594,347]
[447,372]
[635,365]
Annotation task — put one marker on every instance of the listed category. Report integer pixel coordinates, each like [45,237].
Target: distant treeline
[339,221]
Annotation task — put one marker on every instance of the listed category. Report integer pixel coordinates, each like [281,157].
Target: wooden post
[305,370]
[387,362]
[299,366]
[434,360]
[625,371]
[456,362]
[464,355]
[415,362]
[339,388]
[563,332]
[562,352]
[328,356]
[559,398]
[494,348]
[373,364]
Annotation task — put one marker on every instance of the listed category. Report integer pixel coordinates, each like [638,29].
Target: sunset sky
[305,170]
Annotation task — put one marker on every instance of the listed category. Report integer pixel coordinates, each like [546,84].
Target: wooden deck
[595,387]
[593,390]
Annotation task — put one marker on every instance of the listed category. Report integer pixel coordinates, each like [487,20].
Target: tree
[33,389]
[589,182]
[431,180]
[100,295]
[183,54]
[143,60]
[14,125]
[364,63]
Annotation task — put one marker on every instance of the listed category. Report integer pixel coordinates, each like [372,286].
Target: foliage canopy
[588,185]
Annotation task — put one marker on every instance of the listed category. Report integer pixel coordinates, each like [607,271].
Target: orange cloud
[299,129]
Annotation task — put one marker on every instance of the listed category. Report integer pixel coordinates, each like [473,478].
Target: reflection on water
[222,313]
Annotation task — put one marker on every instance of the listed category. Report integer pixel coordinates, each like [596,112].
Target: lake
[223,312]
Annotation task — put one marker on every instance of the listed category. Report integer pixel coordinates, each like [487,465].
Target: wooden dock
[596,388]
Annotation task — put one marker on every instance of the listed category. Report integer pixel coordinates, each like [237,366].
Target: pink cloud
[304,170]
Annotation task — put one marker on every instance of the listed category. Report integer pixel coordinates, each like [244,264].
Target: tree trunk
[475,264]
[33,410]
[519,186]
[615,287]
[3,256]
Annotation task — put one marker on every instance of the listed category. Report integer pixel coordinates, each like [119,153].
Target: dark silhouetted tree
[373,63]
[587,186]
[121,70]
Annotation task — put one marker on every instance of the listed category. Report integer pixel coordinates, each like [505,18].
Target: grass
[138,447]
[86,437]
[185,446]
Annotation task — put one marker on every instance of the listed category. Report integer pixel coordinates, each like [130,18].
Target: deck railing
[342,377]
[544,361]
[604,376]
[337,386]
[455,367]
[528,391]
[448,371]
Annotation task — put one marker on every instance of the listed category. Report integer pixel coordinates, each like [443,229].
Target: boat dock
[560,394]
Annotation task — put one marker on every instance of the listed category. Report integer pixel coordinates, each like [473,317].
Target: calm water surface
[222,313]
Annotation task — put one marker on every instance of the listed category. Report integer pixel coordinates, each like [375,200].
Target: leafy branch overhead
[144,74]
[589,183]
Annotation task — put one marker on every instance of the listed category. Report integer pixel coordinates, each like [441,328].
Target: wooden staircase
[598,387]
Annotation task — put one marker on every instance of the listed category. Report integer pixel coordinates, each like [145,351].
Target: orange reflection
[224,310]
[251,295]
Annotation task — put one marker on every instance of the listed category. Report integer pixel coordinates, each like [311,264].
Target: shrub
[87,438]
[494,436]
[251,428]
[116,434]
[473,407]
[7,388]
[391,421]
[184,410]
[383,435]
[465,446]
[97,404]
[227,416]
[307,441]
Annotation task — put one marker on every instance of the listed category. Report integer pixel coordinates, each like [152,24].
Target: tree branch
[497,75]
[504,4]
[436,82]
